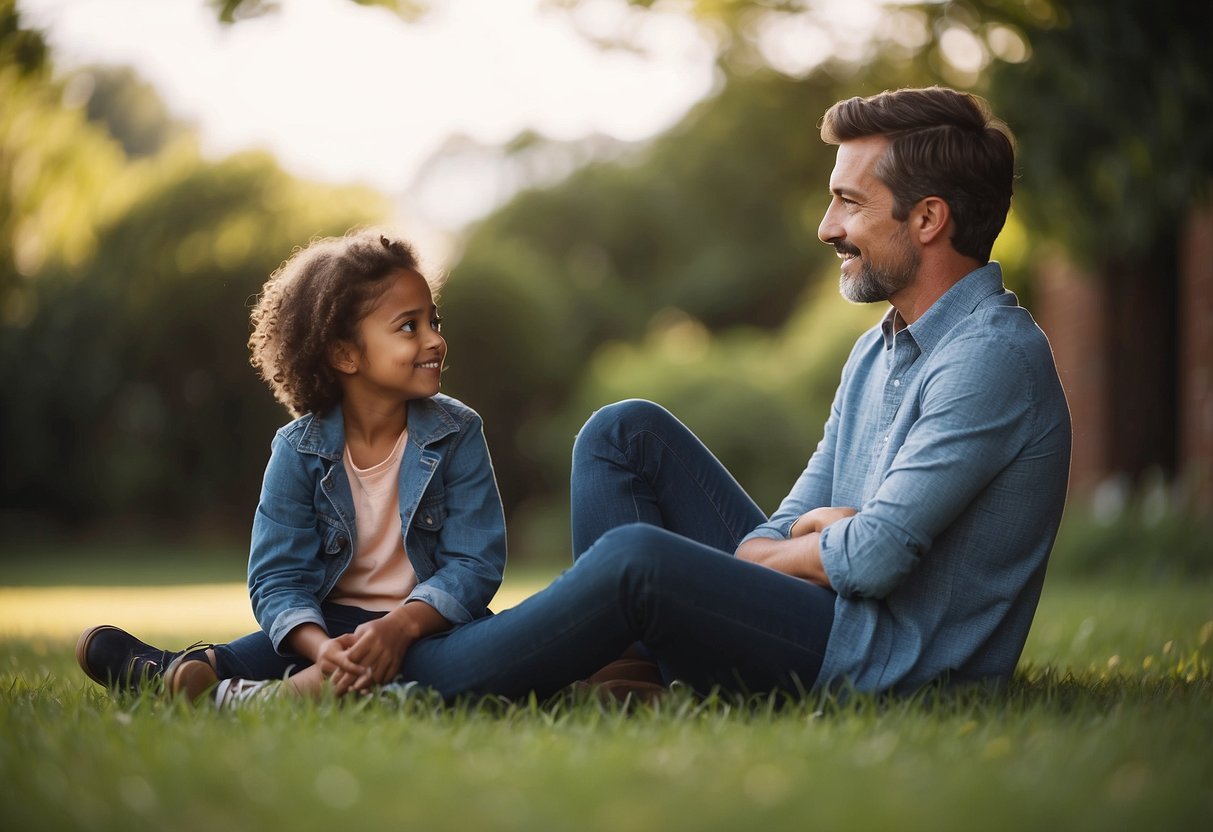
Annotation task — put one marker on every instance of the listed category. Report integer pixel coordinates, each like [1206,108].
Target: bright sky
[343,93]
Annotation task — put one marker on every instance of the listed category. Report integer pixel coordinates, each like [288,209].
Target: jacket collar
[324,433]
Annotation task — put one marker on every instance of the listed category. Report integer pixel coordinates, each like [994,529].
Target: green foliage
[1105,728]
[128,108]
[1111,112]
[124,289]
[231,11]
[1145,540]
[21,48]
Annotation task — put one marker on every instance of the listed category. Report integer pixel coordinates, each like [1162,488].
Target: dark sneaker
[191,675]
[113,657]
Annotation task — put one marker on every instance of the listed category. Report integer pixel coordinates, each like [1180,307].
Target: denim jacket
[304,535]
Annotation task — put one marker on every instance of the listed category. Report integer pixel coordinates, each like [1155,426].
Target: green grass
[1108,726]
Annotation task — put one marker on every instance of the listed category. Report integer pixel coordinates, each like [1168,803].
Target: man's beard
[875,283]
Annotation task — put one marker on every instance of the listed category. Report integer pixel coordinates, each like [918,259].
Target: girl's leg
[254,657]
[633,461]
[710,618]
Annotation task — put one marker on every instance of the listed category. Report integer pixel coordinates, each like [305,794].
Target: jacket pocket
[336,539]
[431,514]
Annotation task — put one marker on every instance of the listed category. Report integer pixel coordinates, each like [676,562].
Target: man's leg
[633,461]
[710,618]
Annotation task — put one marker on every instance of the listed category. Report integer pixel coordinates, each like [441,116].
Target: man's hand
[817,519]
[799,555]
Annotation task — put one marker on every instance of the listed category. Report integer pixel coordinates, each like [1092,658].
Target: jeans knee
[621,419]
[625,550]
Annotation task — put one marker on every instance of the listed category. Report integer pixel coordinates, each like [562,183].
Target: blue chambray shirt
[952,438]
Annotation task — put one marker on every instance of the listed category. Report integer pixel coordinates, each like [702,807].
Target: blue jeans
[655,520]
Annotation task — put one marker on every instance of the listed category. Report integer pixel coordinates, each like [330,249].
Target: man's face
[878,257]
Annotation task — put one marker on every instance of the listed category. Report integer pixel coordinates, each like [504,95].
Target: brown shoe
[629,670]
[639,679]
[625,690]
[190,675]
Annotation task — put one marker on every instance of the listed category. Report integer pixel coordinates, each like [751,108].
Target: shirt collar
[966,295]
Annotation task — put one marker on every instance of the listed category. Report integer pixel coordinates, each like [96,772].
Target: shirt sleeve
[977,406]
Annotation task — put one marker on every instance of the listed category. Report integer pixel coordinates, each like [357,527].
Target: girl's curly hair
[315,299]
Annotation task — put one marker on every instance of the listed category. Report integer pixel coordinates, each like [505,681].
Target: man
[913,546]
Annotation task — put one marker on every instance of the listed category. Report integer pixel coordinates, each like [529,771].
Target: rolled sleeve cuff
[289,620]
[834,558]
[446,604]
[768,531]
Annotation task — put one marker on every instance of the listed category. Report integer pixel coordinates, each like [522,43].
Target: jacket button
[429,521]
[341,541]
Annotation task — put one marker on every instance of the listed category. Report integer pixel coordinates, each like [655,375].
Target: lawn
[1109,725]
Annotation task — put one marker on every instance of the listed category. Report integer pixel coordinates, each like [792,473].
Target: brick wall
[1196,356]
[1072,310]
[1069,308]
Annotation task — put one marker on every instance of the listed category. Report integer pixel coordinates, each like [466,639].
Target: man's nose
[829,230]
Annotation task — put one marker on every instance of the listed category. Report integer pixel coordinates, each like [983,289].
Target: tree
[126,284]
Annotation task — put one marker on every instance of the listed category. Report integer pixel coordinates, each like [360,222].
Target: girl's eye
[436,324]
[408,326]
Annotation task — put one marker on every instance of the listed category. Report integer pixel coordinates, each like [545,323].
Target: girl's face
[401,349]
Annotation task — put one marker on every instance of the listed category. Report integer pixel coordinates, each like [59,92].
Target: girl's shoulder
[439,417]
[452,407]
[322,434]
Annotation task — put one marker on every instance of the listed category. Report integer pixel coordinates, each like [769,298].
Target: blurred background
[625,196]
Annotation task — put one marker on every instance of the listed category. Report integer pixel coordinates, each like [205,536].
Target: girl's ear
[343,357]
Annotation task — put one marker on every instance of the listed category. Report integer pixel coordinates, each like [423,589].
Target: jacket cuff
[289,620]
[446,604]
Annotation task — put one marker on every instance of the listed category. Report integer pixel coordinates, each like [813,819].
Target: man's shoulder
[997,329]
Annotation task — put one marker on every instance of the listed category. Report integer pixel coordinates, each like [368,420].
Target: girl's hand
[380,645]
[333,658]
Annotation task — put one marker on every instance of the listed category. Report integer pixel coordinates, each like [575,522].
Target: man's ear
[343,357]
[930,218]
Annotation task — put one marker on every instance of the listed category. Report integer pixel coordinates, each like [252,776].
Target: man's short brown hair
[942,143]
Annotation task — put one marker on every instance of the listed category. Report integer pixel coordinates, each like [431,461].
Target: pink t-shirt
[380,576]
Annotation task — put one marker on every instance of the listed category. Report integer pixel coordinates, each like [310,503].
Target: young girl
[379,520]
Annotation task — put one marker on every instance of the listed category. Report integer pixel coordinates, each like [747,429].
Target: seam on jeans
[631,437]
